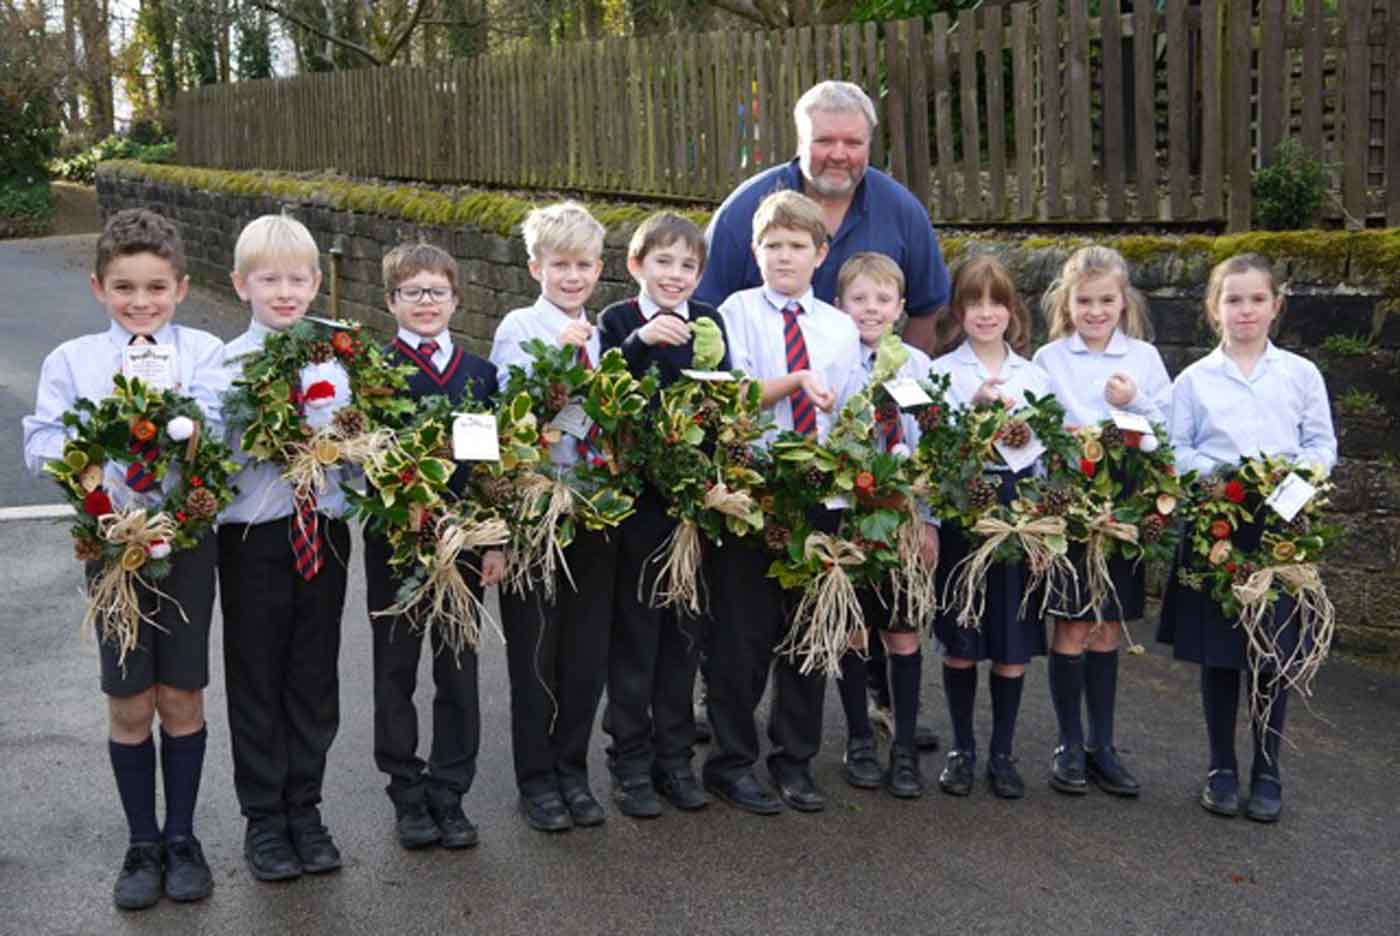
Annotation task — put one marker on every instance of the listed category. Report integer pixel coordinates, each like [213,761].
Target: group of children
[282,614]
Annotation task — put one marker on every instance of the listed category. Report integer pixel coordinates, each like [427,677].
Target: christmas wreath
[159,435]
[409,499]
[601,410]
[1242,502]
[317,397]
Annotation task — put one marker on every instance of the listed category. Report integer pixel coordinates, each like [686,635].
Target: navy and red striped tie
[306,538]
[427,348]
[804,412]
[587,447]
[894,433]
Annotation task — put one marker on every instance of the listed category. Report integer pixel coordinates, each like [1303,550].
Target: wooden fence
[1016,113]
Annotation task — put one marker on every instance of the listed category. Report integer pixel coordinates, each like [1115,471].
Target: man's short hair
[137,231]
[786,208]
[834,96]
[274,239]
[408,260]
[562,228]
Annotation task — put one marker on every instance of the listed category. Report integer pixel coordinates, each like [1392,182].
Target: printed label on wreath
[573,420]
[475,437]
[153,365]
[1130,422]
[907,392]
[1291,496]
[837,502]
[329,323]
[1019,459]
[709,376]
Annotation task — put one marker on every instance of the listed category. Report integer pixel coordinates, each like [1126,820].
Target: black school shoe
[455,830]
[1265,799]
[636,797]
[1221,794]
[583,807]
[1004,778]
[957,775]
[415,826]
[187,875]
[799,791]
[680,788]
[1109,774]
[746,793]
[139,884]
[1067,771]
[904,779]
[862,765]
[312,842]
[269,852]
[546,812]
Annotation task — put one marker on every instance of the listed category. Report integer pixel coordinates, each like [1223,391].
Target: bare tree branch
[398,44]
[750,11]
[320,33]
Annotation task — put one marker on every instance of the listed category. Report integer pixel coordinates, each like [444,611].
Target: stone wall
[1341,292]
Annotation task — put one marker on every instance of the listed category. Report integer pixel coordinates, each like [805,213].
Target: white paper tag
[573,420]
[1130,422]
[710,376]
[907,392]
[1291,496]
[837,502]
[329,323]
[475,438]
[1019,459]
[153,365]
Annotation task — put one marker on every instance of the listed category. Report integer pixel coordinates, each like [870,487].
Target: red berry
[1234,492]
[1087,468]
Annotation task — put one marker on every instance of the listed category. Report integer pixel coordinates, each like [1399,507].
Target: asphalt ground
[869,864]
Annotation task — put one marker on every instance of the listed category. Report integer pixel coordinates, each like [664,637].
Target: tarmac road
[869,864]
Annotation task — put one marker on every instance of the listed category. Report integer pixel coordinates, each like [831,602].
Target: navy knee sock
[1006,703]
[905,674]
[1101,694]
[960,686]
[1067,694]
[1220,696]
[1266,743]
[851,687]
[181,766]
[134,766]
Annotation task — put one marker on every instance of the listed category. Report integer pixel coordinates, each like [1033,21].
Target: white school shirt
[83,368]
[753,322]
[543,320]
[650,309]
[263,496]
[1219,415]
[967,372]
[1079,374]
[442,356]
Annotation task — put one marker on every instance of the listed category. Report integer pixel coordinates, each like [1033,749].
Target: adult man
[864,209]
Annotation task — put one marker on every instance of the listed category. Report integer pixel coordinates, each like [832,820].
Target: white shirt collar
[546,308]
[412,339]
[258,330]
[650,308]
[165,335]
[1117,344]
[779,301]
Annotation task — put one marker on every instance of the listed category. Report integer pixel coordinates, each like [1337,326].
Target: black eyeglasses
[419,293]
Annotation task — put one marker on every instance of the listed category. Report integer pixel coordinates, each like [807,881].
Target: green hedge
[82,168]
[29,201]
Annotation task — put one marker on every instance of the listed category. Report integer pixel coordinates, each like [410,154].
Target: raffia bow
[829,614]
[913,581]
[1267,661]
[536,555]
[114,604]
[1098,579]
[309,462]
[1045,565]
[444,601]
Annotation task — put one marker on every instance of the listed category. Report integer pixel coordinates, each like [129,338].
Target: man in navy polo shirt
[864,209]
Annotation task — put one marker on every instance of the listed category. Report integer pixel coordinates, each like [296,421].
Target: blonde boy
[281,604]
[806,355]
[557,651]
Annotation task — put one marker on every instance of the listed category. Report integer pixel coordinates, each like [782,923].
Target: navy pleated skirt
[1129,582]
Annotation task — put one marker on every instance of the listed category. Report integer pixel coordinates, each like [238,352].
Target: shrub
[1288,193]
[25,200]
[28,103]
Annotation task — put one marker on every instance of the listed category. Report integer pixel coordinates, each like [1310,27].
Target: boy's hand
[928,547]
[1120,390]
[493,568]
[987,392]
[817,391]
[665,330]
[576,333]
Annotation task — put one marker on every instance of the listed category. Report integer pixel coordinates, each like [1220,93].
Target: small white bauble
[1148,443]
[158,549]
[180,428]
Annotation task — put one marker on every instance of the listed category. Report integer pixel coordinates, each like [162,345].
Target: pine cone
[814,477]
[349,423]
[928,418]
[981,494]
[1111,435]
[1015,434]
[497,489]
[776,536]
[86,550]
[427,533]
[320,352]
[708,415]
[201,504]
[558,396]
[1056,501]
[1153,527]
[1299,526]
[739,454]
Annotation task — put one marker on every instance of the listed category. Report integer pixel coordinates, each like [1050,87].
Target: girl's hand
[817,391]
[493,568]
[1120,390]
[665,330]
[576,333]
[987,393]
